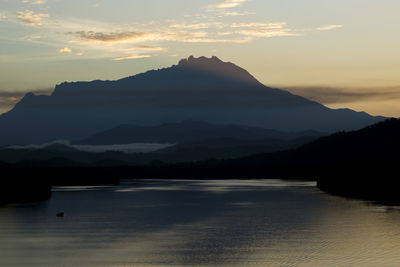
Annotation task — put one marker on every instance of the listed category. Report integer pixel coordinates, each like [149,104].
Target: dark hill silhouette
[375,143]
[225,148]
[221,144]
[187,131]
[8,155]
[361,164]
[56,147]
[202,88]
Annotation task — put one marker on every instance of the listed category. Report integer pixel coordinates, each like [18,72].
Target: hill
[188,141]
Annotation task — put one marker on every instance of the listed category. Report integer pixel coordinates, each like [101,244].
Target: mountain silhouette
[205,89]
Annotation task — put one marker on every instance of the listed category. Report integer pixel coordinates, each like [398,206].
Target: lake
[201,223]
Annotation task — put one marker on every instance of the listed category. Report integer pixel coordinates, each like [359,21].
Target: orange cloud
[65,50]
[197,26]
[228,4]
[110,37]
[30,18]
[329,27]
[148,48]
[37,2]
[262,29]
[125,57]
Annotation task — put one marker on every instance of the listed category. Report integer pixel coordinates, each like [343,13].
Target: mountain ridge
[186,131]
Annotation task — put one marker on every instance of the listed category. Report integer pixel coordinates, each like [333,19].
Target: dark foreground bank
[23,190]
[30,184]
[374,180]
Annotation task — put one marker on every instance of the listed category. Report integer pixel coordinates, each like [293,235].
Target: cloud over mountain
[334,95]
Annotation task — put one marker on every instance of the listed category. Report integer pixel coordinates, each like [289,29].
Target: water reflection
[224,223]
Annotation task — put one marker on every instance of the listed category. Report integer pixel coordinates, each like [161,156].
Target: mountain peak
[218,67]
[193,61]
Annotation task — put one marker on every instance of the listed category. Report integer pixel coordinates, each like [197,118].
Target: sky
[342,53]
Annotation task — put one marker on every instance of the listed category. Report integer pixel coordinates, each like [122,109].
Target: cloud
[224,33]
[33,37]
[148,48]
[65,50]
[29,18]
[111,37]
[6,104]
[337,95]
[34,2]
[126,37]
[198,26]
[217,40]
[128,41]
[19,94]
[250,29]
[268,33]
[125,57]
[264,25]
[235,13]
[8,99]
[12,97]
[227,4]
[329,27]
[3,17]
[190,26]
[137,50]
[262,29]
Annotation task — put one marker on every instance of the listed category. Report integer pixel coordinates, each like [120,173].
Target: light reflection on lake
[208,223]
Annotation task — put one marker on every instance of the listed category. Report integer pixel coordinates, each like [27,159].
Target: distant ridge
[205,89]
[186,131]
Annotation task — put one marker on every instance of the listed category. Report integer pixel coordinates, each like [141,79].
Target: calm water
[213,223]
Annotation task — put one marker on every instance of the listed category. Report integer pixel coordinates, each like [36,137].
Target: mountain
[205,89]
[186,132]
